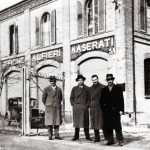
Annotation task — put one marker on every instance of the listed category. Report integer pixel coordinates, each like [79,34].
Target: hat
[52,79]
[109,77]
[80,77]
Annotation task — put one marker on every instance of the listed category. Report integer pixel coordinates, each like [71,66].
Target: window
[148,3]
[95,16]
[13,35]
[147,76]
[48,29]
[142,15]
[79,18]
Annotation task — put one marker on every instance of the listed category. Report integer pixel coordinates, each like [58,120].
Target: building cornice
[21,7]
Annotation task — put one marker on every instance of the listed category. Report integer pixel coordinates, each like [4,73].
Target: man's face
[53,83]
[110,82]
[80,82]
[95,80]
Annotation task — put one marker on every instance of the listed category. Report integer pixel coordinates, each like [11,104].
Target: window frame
[52,17]
[14,41]
[93,10]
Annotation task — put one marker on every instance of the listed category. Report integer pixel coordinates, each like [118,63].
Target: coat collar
[95,86]
[81,90]
[84,86]
[53,91]
[112,88]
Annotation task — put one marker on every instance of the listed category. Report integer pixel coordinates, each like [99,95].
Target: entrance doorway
[39,82]
[98,66]
[43,81]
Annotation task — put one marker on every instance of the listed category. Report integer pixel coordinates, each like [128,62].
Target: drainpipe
[134,82]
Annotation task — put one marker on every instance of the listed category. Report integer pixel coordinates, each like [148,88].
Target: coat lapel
[112,90]
[55,92]
[52,91]
[94,91]
[80,91]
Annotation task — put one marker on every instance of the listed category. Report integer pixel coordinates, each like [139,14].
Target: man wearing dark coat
[112,104]
[95,108]
[52,98]
[80,99]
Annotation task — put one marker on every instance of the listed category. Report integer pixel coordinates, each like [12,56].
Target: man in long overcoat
[112,104]
[95,108]
[52,98]
[80,99]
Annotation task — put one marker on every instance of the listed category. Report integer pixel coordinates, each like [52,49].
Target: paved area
[16,142]
[135,138]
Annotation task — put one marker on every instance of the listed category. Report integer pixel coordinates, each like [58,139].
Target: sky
[6,3]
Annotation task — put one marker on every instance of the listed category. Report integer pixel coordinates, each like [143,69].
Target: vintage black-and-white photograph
[74,74]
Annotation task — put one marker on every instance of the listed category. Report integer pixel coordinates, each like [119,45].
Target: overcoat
[112,102]
[52,99]
[80,99]
[95,108]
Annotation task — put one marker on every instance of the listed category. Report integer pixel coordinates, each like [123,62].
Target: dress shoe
[110,142]
[58,138]
[121,143]
[89,139]
[50,138]
[97,140]
[75,139]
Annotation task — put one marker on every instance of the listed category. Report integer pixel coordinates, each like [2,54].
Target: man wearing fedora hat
[112,104]
[52,98]
[80,99]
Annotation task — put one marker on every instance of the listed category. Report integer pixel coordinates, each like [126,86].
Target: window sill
[93,35]
[91,38]
[143,31]
[13,55]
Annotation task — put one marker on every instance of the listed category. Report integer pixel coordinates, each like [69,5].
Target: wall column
[26,73]
[66,51]
[124,64]
[130,98]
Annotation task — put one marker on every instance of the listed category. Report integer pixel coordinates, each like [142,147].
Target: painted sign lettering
[46,55]
[104,44]
[13,61]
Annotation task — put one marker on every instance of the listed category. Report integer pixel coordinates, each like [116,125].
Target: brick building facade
[52,37]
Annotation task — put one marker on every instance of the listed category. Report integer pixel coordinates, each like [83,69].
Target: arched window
[147,76]
[46,29]
[95,11]
[13,35]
